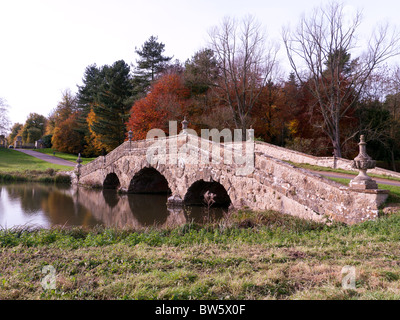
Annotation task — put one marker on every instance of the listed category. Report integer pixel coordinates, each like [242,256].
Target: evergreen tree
[112,104]
[201,72]
[87,94]
[150,65]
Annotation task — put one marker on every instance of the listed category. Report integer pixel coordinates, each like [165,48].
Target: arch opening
[149,181]
[111,181]
[195,194]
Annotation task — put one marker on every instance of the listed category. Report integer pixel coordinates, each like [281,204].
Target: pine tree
[87,94]
[150,65]
[112,104]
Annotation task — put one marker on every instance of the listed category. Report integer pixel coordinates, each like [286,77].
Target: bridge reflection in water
[48,205]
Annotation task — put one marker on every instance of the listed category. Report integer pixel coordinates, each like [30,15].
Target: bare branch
[247,62]
[319,52]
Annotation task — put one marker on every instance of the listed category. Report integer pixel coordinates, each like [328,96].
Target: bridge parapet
[319,195]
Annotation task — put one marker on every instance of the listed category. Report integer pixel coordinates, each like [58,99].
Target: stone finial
[185,124]
[363,162]
[79,161]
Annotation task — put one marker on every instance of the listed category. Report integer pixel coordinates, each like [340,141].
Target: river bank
[246,255]
[47,176]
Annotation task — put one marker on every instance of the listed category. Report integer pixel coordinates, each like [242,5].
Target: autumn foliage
[167,100]
[65,137]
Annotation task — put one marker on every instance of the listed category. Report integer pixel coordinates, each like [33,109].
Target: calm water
[41,205]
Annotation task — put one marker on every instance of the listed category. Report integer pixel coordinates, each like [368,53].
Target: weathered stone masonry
[273,184]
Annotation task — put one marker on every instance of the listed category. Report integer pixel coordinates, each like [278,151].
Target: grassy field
[246,256]
[12,161]
[65,156]
[18,166]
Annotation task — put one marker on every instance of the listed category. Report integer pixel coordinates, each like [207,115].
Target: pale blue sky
[45,45]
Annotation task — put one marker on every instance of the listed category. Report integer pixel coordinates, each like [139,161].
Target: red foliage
[166,101]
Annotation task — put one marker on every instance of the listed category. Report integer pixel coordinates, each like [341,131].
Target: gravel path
[46,157]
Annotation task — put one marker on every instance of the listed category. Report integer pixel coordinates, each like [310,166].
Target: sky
[45,45]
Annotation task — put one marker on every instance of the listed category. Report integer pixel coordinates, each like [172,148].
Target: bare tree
[4,120]
[246,64]
[319,52]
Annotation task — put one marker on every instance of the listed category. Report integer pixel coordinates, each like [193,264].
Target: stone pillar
[175,201]
[363,162]
[18,142]
[78,166]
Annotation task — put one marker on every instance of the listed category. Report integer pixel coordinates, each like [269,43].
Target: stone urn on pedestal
[363,162]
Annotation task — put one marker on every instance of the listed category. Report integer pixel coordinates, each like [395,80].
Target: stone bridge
[239,174]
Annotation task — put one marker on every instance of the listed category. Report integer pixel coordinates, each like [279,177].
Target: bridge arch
[195,194]
[149,180]
[111,181]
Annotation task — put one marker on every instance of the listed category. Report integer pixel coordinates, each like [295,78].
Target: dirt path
[46,157]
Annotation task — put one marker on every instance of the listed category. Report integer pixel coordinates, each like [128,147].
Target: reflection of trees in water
[54,201]
[76,206]
[29,195]
[61,209]
[106,206]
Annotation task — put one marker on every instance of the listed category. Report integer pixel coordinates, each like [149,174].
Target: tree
[150,64]
[17,127]
[201,72]
[66,107]
[106,95]
[87,93]
[246,65]
[65,114]
[86,99]
[112,104]
[167,100]
[4,120]
[323,43]
[66,138]
[34,128]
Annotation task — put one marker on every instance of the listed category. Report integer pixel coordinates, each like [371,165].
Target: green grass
[328,169]
[65,156]
[15,161]
[271,256]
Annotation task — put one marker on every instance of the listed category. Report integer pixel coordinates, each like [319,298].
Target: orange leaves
[65,137]
[93,139]
[166,101]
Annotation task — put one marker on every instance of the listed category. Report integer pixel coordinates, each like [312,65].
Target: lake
[48,205]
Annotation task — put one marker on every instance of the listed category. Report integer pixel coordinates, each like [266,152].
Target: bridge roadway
[186,166]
